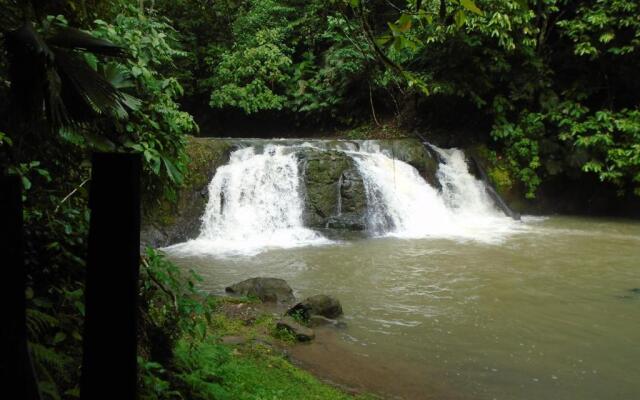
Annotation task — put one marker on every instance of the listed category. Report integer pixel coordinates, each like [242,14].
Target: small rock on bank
[302,333]
[321,304]
[266,289]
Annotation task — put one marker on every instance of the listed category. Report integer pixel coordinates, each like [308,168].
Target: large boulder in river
[334,191]
[272,290]
[320,304]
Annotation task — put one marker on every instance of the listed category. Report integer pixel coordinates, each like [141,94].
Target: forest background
[547,89]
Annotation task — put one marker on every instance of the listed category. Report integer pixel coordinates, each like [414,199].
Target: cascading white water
[401,203]
[461,191]
[254,203]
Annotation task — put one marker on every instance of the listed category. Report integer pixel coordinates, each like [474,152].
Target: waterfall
[461,191]
[399,200]
[256,202]
[402,204]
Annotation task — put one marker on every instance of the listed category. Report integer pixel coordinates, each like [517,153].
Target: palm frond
[118,76]
[85,92]
[30,63]
[50,80]
[71,38]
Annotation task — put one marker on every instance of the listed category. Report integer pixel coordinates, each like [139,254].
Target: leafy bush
[171,306]
[156,127]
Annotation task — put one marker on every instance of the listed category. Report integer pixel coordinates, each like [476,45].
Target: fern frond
[47,359]
[38,322]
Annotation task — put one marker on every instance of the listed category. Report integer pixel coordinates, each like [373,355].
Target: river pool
[552,311]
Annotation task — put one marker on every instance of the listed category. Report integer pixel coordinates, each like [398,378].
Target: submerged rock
[302,333]
[273,290]
[321,304]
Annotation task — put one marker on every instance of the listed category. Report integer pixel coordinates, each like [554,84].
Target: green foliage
[172,303]
[303,58]
[214,371]
[555,80]
[156,127]
[250,78]
[322,82]
[611,141]
[606,26]
[251,75]
[153,383]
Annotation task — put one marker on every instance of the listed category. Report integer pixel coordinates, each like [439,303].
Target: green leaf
[26,183]
[460,17]
[471,6]
[382,40]
[59,337]
[172,171]
[99,142]
[523,4]
[404,23]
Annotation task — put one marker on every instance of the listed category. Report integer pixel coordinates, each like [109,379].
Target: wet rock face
[334,191]
[352,193]
[166,222]
[416,154]
[271,290]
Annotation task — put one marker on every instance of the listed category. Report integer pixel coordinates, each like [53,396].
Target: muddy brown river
[552,311]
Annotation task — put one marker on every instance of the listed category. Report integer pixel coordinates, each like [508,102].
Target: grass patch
[254,372]
[233,351]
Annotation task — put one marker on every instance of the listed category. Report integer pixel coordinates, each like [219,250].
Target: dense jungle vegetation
[549,88]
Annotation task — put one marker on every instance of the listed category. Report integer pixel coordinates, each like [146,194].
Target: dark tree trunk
[16,370]
[109,367]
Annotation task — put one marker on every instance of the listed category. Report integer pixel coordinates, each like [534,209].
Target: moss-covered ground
[254,369]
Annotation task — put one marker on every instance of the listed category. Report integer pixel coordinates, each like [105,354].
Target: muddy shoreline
[332,360]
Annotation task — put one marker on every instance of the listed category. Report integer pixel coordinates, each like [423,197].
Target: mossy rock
[500,177]
[333,189]
[413,152]
[166,222]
